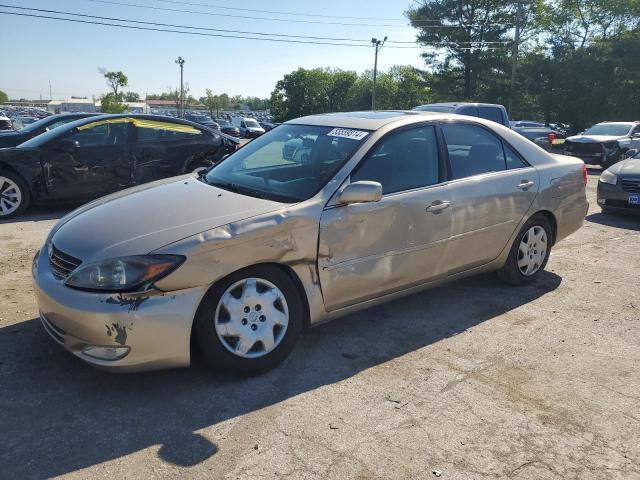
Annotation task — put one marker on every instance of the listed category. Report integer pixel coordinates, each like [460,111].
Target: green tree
[464,30]
[115,81]
[109,103]
[130,97]
[3,97]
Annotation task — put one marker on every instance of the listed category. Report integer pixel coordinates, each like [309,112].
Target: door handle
[526,184]
[438,206]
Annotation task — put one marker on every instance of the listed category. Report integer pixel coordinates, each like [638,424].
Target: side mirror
[67,145]
[360,192]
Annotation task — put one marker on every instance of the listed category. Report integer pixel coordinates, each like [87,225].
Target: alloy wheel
[251,318]
[10,196]
[532,251]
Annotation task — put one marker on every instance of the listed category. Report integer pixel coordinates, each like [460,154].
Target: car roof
[366,120]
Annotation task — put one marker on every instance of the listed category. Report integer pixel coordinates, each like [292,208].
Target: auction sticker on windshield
[347,133]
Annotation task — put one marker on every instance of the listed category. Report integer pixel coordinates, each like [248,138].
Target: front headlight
[125,274]
[608,177]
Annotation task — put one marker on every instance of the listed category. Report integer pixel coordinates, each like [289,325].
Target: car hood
[630,167]
[594,138]
[144,218]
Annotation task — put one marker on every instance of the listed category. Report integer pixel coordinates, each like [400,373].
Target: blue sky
[69,54]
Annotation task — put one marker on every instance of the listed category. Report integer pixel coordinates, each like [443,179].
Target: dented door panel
[369,249]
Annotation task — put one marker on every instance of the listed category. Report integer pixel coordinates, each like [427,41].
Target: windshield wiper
[241,189]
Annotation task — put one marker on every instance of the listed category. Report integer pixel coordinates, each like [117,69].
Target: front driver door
[98,165]
[369,249]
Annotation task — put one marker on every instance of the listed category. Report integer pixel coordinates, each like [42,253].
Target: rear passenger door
[492,188]
[165,149]
[371,249]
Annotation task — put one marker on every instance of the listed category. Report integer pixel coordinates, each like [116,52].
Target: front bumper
[613,197]
[156,329]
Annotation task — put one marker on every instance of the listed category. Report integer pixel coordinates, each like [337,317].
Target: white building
[85,105]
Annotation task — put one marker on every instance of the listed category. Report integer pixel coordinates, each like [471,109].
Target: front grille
[586,148]
[631,185]
[61,263]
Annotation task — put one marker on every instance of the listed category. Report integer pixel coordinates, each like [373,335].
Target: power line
[301,14]
[280,40]
[190,27]
[59,12]
[286,20]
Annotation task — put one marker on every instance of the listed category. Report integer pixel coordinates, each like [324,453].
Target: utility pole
[180,61]
[514,56]
[50,96]
[377,45]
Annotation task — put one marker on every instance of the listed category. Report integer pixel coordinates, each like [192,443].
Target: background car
[204,120]
[249,127]
[226,127]
[605,143]
[268,126]
[13,138]
[95,156]
[538,135]
[619,186]
[489,111]
[247,256]
[5,124]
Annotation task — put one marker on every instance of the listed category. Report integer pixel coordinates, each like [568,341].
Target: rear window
[491,113]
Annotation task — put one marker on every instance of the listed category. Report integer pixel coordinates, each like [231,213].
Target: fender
[26,162]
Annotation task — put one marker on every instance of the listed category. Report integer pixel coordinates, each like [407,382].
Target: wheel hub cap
[532,250]
[251,318]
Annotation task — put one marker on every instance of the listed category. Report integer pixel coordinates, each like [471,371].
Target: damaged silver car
[236,263]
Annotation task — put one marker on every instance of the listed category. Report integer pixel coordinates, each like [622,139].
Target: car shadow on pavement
[39,213]
[59,415]
[617,220]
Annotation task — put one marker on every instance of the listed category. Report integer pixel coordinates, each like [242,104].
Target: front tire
[529,253]
[14,195]
[249,322]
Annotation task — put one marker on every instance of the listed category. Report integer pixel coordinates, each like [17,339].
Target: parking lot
[471,380]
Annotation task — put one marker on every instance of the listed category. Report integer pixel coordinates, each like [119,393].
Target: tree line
[576,62]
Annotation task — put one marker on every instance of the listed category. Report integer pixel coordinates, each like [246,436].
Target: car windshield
[288,164]
[252,123]
[614,129]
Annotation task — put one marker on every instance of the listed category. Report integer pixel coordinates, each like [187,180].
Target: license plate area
[634,199]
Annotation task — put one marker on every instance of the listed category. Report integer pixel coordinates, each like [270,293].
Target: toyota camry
[235,263]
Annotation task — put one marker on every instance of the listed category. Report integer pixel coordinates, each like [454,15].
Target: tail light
[585,177]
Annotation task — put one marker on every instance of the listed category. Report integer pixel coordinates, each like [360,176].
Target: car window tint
[512,158]
[101,135]
[472,150]
[402,161]
[60,122]
[491,113]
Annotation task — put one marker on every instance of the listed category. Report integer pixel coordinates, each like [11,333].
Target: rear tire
[529,253]
[14,195]
[249,322]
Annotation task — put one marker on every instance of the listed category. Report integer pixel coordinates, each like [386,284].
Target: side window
[402,161]
[512,158]
[472,150]
[636,130]
[101,135]
[158,133]
[491,113]
[59,122]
